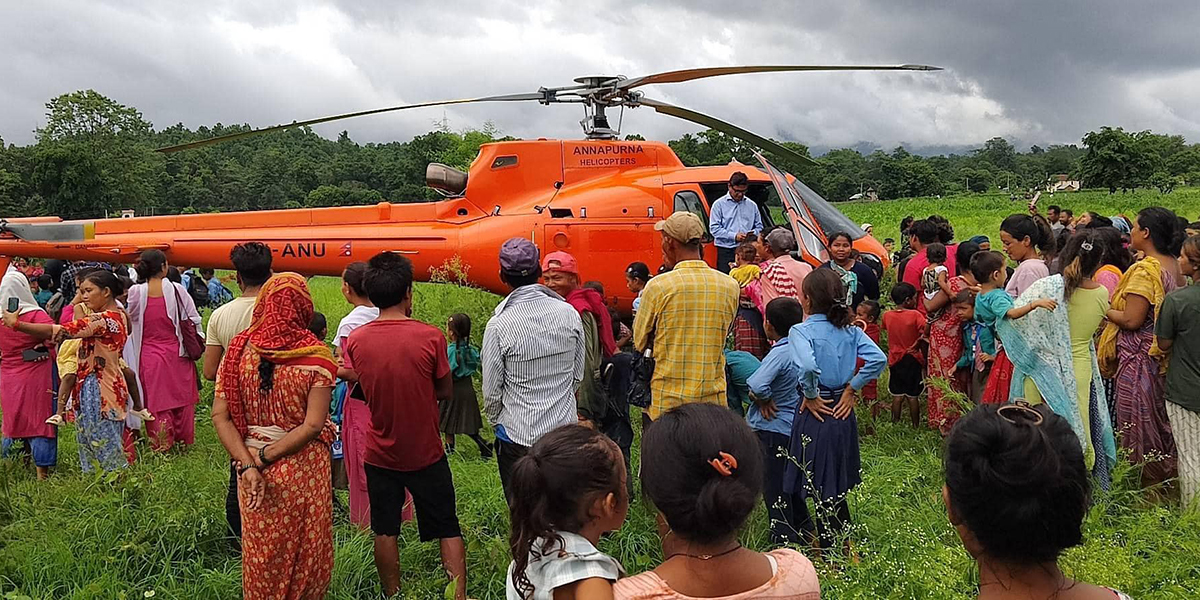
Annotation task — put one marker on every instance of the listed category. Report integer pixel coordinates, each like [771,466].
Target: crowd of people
[749,383]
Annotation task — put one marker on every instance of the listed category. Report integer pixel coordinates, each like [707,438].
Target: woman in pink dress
[157,310]
[25,385]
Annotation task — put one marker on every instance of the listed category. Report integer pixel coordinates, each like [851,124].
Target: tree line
[95,156]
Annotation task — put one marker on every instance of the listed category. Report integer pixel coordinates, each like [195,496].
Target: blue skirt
[99,438]
[828,452]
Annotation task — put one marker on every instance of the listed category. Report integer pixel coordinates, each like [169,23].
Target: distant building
[1063,183]
[869,196]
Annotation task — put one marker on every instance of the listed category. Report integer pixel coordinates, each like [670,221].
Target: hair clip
[1087,246]
[725,463]
[1020,411]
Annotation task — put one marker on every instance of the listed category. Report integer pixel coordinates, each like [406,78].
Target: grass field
[977,214]
[158,530]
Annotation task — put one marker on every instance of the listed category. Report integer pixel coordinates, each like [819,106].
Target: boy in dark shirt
[402,368]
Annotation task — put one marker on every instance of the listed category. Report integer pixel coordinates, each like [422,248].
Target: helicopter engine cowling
[445,178]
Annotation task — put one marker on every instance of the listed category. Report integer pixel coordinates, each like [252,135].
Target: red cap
[560,261]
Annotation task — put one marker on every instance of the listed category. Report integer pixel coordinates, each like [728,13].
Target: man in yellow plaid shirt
[685,316]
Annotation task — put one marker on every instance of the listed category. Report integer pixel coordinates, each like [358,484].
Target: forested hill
[95,155]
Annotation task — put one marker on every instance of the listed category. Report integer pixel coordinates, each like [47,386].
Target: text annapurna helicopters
[597,198]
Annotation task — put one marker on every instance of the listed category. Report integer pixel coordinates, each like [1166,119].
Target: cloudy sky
[1033,71]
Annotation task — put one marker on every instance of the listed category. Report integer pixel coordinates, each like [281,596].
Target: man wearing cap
[733,216]
[560,272]
[684,316]
[533,358]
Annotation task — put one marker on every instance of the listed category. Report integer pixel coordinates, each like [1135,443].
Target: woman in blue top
[824,437]
[461,414]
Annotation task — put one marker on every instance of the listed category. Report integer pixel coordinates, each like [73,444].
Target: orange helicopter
[597,198]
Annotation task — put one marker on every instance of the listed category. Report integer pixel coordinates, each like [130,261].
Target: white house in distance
[1063,183]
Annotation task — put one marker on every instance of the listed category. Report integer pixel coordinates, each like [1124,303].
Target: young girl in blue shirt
[824,441]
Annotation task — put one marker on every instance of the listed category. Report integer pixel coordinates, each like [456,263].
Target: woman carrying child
[1023,237]
[749,332]
[824,441]
[945,328]
[1039,346]
[461,414]
[101,390]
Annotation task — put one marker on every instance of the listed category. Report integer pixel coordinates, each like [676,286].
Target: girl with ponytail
[825,431]
[564,494]
[1087,301]
[461,414]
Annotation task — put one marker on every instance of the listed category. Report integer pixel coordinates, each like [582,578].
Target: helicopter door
[809,236]
[688,200]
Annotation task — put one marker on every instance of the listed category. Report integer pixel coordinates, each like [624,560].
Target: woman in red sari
[945,343]
[271,412]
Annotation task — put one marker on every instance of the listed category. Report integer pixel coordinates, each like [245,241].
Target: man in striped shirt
[685,316]
[783,277]
[533,358]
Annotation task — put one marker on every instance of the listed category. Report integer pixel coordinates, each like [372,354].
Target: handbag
[193,344]
[641,372]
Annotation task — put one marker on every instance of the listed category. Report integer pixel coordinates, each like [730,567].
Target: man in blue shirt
[733,217]
[775,396]
[218,294]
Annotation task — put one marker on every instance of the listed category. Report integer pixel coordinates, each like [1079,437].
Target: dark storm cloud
[1039,72]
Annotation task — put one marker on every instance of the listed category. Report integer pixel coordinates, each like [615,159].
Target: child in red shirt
[867,319]
[905,327]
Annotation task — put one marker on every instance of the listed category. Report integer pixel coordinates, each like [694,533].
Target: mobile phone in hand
[13,304]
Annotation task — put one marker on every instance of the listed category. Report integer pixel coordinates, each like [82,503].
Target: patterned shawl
[849,280]
[279,333]
[1145,279]
[1039,346]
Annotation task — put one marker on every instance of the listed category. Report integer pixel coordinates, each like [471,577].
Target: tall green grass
[981,214]
[158,530]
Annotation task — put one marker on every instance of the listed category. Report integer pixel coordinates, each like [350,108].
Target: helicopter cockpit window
[689,201]
[831,219]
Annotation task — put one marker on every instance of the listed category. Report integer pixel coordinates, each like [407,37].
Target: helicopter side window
[689,201]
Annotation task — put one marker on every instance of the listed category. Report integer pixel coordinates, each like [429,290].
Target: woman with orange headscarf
[271,412]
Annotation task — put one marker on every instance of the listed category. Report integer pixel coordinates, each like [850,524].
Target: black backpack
[198,290]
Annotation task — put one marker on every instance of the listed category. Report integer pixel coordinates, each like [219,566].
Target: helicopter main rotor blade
[728,128]
[693,74]
[246,134]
